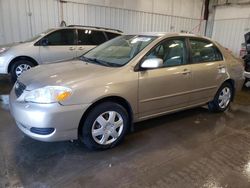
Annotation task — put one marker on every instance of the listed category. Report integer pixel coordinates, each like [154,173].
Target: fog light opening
[42,131]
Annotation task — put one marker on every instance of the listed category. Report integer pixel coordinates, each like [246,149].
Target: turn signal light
[63,96]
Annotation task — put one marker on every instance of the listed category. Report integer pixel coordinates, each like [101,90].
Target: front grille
[19,88]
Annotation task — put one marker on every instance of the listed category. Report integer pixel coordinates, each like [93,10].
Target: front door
[60,47]
[167,88]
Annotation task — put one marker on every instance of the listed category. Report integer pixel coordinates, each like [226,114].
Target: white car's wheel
[19,67]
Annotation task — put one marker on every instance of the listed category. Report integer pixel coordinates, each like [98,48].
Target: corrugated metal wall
[230,33]
[127,20]
[230,25]
[22,19]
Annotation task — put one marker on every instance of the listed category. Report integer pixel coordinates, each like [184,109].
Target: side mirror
[44,42]
[152,63]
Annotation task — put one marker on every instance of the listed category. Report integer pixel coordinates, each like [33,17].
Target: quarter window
[90,37]
[172,52]
[61,37]
[204,51]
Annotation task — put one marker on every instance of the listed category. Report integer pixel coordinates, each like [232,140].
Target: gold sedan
[131,78]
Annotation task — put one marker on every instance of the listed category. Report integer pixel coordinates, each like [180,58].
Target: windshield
[38,36]
[119,51]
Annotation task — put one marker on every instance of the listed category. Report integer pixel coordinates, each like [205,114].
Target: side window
[111,35]
[204,51]
[90,37]
[172,52]
[61,37]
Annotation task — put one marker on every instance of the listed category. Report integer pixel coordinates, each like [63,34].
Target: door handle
[222,69]
[186,71]
[80,48]
[221,66]
[71,48]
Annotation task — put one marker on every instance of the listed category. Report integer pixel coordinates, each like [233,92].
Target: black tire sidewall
[15,65]
[86,135]
[215,103]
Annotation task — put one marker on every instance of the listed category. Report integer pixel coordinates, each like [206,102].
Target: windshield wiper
[98,61]
[105,63]
[82,58]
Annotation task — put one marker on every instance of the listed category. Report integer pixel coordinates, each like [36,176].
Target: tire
[218,105]
[99,132]
[20,66]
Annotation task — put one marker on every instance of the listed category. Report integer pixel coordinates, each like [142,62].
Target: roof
[159,34]
[96,27]
[170,34]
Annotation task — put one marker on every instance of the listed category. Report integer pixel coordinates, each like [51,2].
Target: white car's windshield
[119,51]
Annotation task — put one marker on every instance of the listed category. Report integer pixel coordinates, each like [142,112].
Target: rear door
[208,70]
[61,46]
[88,39]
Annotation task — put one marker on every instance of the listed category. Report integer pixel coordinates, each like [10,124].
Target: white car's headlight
[48,94]
[2,50]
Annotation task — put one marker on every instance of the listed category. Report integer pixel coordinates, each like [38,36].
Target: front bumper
[4,63]
[63,119]
[3,70]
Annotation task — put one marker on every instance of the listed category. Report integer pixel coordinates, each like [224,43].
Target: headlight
[48,94]
[3,50]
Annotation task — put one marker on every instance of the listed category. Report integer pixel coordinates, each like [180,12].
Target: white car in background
[54,45]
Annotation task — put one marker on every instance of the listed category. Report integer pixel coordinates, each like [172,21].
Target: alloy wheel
[22,68]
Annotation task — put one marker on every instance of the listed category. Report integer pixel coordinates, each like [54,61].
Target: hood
[62,74]
[16,46]
[12,44]
[9,45]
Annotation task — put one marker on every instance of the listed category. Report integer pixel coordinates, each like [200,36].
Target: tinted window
[90,37]
[61,37]
[112,35]
[172,52]
[204,51]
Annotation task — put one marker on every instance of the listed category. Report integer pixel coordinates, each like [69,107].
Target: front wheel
[19,67]
[105,126]
[222,98]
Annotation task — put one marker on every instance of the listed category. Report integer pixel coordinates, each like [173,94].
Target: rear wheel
[105,126]
[18,67]
[222,98]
